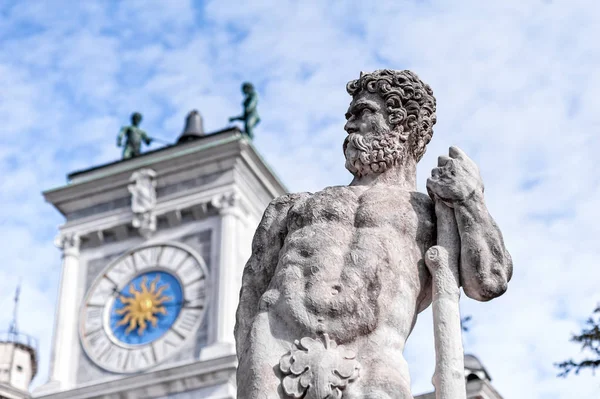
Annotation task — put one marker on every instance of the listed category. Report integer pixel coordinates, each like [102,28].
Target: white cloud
[516,84]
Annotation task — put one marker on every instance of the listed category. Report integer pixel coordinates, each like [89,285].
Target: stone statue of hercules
[337,277]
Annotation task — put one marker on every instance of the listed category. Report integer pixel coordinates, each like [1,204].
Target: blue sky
[517,87]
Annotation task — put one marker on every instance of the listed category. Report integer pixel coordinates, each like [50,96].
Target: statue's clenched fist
[455,179]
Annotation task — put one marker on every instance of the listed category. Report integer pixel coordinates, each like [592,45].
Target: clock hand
[183,303]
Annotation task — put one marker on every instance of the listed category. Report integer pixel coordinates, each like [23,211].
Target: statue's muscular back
[351,266]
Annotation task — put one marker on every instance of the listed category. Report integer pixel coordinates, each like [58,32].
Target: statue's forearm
[485,264]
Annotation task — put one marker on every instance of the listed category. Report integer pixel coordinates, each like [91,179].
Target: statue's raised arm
[470,252]
[485,264]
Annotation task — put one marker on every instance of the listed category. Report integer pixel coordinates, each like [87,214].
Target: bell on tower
[18,360]
[193,127]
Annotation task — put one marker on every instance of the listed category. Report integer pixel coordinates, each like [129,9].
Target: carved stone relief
[316,369]
[143,201]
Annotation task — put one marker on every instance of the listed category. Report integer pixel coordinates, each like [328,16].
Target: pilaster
[63,359]
[232,223]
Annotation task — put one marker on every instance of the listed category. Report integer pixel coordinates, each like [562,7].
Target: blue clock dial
[146,308]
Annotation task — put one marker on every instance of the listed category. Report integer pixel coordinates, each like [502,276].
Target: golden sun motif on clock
[143,306]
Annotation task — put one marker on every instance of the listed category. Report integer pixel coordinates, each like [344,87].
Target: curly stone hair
[410,104]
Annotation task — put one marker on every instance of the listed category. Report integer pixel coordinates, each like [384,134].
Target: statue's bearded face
[373,145]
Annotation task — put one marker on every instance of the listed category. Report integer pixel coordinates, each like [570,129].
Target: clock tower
[153,249]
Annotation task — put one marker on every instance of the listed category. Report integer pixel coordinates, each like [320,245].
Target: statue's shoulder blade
[280,206]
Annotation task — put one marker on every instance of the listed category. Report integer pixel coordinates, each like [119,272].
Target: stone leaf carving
[143,200]
[318,369]
[67,241]
[224,202]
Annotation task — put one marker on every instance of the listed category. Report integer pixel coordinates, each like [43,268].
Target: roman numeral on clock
[167,345]
[195,295]
[98,342]
[172,258]
[92,319]
[139,359]
[148,257]
[155,253]
[123,270]
[115,356]
[187,321]
[101,292]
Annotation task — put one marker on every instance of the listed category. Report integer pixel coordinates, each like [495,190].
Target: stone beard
[337,278]
[372,153]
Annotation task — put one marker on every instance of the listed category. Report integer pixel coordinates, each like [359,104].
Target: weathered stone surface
[344,267]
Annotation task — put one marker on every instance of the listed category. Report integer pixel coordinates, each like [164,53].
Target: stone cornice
[9,392]
[113,182]
[231,161]
[173,151]
[222,200]
[260,168]
[179,379]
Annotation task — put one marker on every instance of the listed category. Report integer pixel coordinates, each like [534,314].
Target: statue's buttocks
[348,263]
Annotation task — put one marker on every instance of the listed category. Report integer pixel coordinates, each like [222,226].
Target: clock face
[144,307]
